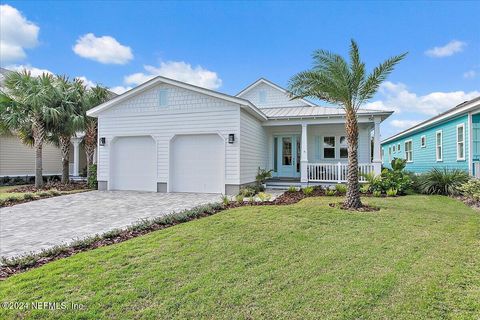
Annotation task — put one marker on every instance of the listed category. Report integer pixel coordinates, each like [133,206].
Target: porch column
[76,155]
[377,154]
[304,156]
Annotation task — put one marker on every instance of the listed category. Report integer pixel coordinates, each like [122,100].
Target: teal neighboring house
[450,140]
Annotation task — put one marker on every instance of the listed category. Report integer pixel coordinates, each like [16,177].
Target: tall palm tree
[336,81]
[93,97]
[68,98]
[26,108]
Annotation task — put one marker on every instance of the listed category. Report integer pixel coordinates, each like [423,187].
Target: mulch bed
[286,198]
[475,204]
[52,185]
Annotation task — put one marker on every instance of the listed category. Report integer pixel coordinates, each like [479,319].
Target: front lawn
[416,258]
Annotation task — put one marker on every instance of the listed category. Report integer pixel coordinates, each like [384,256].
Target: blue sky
[227,45]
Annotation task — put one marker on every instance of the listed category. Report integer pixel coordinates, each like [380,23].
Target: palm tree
[26,108]
[68,98]
[334,80]
[93,97]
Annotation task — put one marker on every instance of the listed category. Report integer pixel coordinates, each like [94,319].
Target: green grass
[417,258]
[4,194]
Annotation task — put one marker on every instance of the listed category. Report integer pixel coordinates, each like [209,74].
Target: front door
[288,156]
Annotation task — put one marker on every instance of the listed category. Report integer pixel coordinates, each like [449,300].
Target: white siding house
[169,136]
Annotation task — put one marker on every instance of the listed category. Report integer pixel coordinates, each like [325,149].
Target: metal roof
[312,112]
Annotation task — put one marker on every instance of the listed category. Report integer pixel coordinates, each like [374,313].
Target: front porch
[315,152]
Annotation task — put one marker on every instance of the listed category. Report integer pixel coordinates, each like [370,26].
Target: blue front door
[288,156]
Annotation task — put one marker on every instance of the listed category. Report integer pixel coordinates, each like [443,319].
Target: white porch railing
[335,172]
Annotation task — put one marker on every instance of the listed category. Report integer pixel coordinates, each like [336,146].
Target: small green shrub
[239,198]
[262,176]
[292,189]
[112,234]
[29,196]
[330,192]
[377,193]
[365,188]
[92,177]
[264,196]
[471,189]
[2,202]
[308,191]
[341,189]
[225,200]
[44,194]
[54,192]
[392,192]
[251,199]
[250,191]
[443,181]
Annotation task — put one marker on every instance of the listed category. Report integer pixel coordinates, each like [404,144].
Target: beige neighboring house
[18,160]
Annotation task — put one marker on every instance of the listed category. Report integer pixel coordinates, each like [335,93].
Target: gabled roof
[250,107]
[273,85]
[316,112]
[459,109]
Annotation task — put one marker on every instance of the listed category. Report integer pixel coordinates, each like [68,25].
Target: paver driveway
[41,224]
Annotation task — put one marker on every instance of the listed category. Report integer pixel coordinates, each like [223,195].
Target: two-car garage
[196,163]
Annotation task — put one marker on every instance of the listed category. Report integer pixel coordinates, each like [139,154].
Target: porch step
[78,178]
[282,185]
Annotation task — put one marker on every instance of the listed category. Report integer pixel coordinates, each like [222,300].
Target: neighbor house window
[423,141]
[409,150]
[275,154]
[343,147]
[398,147]
[439,145]
[262,96]
[389,153]
[461,142]
[329,147]
[394,149]
[162,97]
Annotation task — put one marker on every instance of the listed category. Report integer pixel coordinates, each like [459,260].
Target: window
[262,96]
[162,97]
[439,146]
[275,154]
[394,149]
[423,141]
[287,151]
[329,147]
[409,150]
[343,148]
[461,142]
[398,147]
[389,153]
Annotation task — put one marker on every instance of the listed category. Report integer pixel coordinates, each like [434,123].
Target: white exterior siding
[186,112]
[253,144]
[17,159]
[274,98]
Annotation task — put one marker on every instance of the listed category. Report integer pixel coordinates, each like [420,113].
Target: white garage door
[197,163]
[133,164]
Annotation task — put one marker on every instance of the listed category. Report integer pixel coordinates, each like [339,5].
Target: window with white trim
[389,153]
[329,147]
[461,142]
[343,147]
[409,150]
[398,147]
[394,149]
[439,145]
[162,97]
[423,141]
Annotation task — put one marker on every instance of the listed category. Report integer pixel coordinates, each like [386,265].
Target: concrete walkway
[44,223]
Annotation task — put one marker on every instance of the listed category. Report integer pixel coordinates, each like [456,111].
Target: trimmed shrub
[330,192]
[308,191]
[341,189]
[225,200]
[292,189]
[92,178]
[377,193]
[391,192]
[29,196]
[264,196]
[471,189]
[443,181]
[239,198]
[365,188]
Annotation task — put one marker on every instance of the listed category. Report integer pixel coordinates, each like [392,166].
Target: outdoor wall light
[231,138]
[102,141]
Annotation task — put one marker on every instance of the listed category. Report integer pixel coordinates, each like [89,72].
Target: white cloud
[17,34]
[470,74]
[177,70]
[104,49]
[88,83]
[403,124]
[119,89]
[396,97]
[34,71]
[447,50]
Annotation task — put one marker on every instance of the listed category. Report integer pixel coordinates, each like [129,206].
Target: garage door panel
[197,163]
[133,164]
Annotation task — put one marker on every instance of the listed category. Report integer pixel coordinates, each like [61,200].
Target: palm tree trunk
[38,129]
[90,143]
[65,149]
[352,200]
